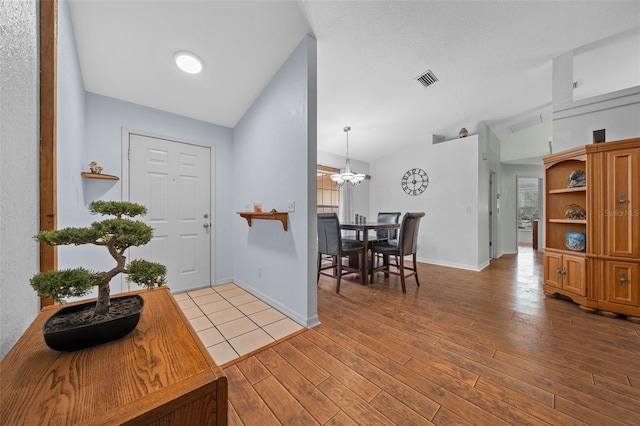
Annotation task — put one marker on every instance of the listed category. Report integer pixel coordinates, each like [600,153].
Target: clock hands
[415,181]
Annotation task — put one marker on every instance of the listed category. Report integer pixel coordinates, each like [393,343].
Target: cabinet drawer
[622,283]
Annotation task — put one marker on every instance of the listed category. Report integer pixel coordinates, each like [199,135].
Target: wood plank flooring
[464,348]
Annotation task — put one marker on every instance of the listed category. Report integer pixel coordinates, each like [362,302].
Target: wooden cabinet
[159,374]
[565,270]
[605,277]
[566,273]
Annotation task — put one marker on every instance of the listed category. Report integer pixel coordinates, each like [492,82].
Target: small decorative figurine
[93,166]
[575,212]
[577,178]
[463,133]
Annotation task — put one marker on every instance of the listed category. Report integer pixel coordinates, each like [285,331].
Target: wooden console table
[161,373]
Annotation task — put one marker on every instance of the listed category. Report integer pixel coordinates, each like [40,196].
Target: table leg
[365,257]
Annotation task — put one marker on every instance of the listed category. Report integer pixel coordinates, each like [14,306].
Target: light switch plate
[292,206]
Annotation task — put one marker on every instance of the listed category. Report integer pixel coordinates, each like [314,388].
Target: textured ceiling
[492,59]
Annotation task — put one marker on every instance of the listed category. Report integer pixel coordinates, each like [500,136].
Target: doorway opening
[528,207]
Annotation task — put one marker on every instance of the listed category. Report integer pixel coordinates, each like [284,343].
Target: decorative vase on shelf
[576,241]
[463,133]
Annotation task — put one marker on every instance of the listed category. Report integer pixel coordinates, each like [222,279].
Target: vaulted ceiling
[492,59]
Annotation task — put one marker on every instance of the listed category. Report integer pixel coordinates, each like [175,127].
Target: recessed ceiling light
[188,62]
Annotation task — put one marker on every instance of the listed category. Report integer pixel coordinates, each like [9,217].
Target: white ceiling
[492,59]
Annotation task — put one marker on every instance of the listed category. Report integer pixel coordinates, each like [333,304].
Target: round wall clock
[415,181]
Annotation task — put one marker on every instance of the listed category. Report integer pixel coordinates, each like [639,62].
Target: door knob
[206,225]
[623,280]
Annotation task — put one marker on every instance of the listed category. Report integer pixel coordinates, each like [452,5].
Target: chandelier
[347,175]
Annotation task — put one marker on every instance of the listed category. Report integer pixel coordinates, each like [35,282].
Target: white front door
[173,180]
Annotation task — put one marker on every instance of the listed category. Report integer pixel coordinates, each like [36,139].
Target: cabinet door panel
[575,277]
[622,283]
[552,266]
[622,214]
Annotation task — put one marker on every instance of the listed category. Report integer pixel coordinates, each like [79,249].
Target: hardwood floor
[480,348]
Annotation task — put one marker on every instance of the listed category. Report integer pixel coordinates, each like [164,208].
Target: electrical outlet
[468,209]
[292,206]
[259,271]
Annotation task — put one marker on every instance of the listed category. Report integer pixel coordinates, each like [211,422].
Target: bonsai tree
[116,234]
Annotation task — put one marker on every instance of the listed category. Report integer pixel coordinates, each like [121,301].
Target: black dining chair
[407,246]
[385,235]
[390,235]
[330,245]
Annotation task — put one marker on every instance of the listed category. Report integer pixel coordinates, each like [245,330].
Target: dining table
[364,228]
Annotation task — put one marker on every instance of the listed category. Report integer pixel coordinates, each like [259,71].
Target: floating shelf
[579,221]
[281,216]
[566,190]
[98,176]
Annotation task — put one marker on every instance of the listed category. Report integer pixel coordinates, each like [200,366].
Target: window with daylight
[328,193]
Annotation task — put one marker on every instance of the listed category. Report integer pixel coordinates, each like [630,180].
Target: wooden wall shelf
[579,221]
[566,190]
[98,176]
[281,216]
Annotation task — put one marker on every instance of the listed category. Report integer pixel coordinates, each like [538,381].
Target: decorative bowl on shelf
[576,241]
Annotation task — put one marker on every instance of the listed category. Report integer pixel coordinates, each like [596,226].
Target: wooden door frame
[48,130]
[493,216]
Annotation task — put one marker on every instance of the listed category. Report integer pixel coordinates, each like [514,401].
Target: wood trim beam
[327,169]
[48,130]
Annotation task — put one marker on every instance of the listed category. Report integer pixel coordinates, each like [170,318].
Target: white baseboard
[476,268]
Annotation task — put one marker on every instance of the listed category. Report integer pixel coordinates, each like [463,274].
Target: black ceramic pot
[92,334]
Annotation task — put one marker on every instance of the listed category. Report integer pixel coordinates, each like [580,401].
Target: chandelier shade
[347,175]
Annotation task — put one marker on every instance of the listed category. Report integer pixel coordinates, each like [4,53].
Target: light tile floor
[232,322]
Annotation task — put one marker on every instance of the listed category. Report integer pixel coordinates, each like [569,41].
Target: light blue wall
[90,129]
[71,118]
[274,160]
[105,119]
[278,129]
[70,135]
[19,141]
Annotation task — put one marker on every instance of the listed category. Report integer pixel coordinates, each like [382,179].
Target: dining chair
[330,244]
[385,235]
[407,246]
[390,235]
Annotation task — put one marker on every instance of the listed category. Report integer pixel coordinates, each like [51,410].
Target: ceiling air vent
[427,78]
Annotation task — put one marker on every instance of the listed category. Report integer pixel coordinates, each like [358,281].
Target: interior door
[173,180]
